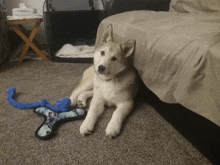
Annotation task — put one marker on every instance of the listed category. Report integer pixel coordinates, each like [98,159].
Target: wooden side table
[23,33]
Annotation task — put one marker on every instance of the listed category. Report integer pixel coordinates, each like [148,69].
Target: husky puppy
[114,84]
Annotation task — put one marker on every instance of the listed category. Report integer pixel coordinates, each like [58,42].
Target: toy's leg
[95,110]
[45,130]
[86,84]
[44,111]
[115,124]
[83,98]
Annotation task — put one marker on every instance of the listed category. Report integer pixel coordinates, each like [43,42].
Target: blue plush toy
[54,116]
[62,105]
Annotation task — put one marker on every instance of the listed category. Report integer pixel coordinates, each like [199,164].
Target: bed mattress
[177,55]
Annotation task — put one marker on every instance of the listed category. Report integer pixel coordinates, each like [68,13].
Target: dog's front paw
[86,129]
[81,104]
[73,101]
[112,130]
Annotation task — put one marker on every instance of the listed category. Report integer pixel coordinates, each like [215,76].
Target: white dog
[114,84]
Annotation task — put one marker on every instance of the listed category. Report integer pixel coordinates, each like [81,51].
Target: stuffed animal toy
[53,120]
[54,116]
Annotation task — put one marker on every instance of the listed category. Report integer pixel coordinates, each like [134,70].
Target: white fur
[113,86]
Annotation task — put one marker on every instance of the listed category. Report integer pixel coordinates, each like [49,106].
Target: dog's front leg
[95,110]
[83,98]
[86,84]
[114,126]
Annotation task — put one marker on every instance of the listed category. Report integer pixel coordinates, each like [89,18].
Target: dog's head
[110,58]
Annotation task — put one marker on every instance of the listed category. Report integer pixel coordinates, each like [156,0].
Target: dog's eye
[113,58]
[102,53]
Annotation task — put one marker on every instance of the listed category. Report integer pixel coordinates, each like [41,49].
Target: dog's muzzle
[101,69]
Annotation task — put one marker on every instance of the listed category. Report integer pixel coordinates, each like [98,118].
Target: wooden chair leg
[31,37]
[27,34]
[28,41]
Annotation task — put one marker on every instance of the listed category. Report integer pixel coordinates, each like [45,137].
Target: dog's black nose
[101,68]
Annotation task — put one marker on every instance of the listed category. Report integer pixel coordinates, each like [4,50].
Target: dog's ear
[128,47]
[107,35]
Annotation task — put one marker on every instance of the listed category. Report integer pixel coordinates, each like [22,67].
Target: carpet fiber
[146,138]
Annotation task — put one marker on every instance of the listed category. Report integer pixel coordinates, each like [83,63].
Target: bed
[177,52]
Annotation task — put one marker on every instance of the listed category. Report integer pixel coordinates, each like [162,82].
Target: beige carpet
[146,138]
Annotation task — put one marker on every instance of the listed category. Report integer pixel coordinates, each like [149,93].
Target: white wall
[38,4]
[10,4]
[66,5]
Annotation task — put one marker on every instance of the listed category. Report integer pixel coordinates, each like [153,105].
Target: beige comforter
[177,56]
